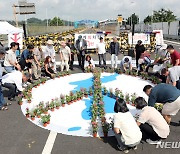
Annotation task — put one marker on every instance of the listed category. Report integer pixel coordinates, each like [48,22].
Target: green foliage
[134,18]
[56,21]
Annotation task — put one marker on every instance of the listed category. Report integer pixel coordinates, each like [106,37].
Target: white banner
[159,37]
[92,39]
[17,37]
[145,38]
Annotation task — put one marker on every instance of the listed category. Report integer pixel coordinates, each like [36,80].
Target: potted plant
[32,115]
[48,118]
[68,100]
[27,113]
[133,97]
[44,120]
[85,93]
[62,100]
[159,107]
[38,113]
[20,96]
[57,103]
[121,95]
[105,127]
[52,105]
[105,91]
[29,97]
[90,91]
[95,129]
[117,92]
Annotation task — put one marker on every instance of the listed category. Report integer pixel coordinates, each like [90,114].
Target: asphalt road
[19,136]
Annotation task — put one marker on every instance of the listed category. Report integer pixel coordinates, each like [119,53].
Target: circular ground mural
[75,119]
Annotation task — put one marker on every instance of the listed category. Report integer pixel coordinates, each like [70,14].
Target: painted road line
[49,143]
[176,43]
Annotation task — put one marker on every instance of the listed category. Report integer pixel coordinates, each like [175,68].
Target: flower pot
[38,116]
[27,115]
[32,118]
[78,99]
[45,112]
[63,105]
[69,103]
[29,101]
[95,134]
[20,103]
[48,122]
[57,107]
[45,124]
[52,109]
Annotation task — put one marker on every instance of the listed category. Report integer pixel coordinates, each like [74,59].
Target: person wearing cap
[101,51]
[114,51]
[10,61]
[175,56]
[65,56]
[139,49]
[173,75]
[13,81]
[49,51]
[2,101]
[126,63]
[81,46]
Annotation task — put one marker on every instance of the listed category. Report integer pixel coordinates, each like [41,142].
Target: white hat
[50,42]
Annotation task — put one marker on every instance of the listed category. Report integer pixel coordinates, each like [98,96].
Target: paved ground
[19,136]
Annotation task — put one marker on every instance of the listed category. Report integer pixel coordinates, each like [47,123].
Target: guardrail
[172,37]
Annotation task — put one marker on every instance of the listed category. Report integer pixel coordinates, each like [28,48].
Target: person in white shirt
[13,81]
[49,51]
[89,63]
[10,61]
[101,51]
[126,130]
[65,56]
[152,124]
[126,63]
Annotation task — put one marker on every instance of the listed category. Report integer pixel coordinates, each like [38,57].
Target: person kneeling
[126,63]
[126,130]
[48,66]
[152,124]
[89,63]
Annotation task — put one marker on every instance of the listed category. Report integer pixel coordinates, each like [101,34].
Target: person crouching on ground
[126,63]
[13,81]
[152,124]
[89,63]
[126,130]
[49,67]
[167,95]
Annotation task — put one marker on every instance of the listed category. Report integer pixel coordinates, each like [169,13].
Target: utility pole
[15,16]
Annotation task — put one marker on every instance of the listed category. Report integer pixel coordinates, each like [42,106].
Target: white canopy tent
[6,28]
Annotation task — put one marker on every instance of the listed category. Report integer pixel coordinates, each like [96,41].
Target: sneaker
[125,150]
[134,148]
[153,142]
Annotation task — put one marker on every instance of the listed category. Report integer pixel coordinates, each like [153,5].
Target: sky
[74,10]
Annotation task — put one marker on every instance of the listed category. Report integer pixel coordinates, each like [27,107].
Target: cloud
[90,9]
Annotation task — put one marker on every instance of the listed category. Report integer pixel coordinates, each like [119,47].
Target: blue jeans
[2,101]
[9,69]
[121,142]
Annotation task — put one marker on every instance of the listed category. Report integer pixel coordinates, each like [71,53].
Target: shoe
[134,148]
[125,150]
[11,99]
[153,142]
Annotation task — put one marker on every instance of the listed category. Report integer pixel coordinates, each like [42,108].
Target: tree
[134,19]
[148,19]
[56,21]
[161,15]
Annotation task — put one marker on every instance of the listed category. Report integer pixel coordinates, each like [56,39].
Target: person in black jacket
[114,51]
[139,49]
[81,46]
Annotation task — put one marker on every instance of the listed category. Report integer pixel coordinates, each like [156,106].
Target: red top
[174,56]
